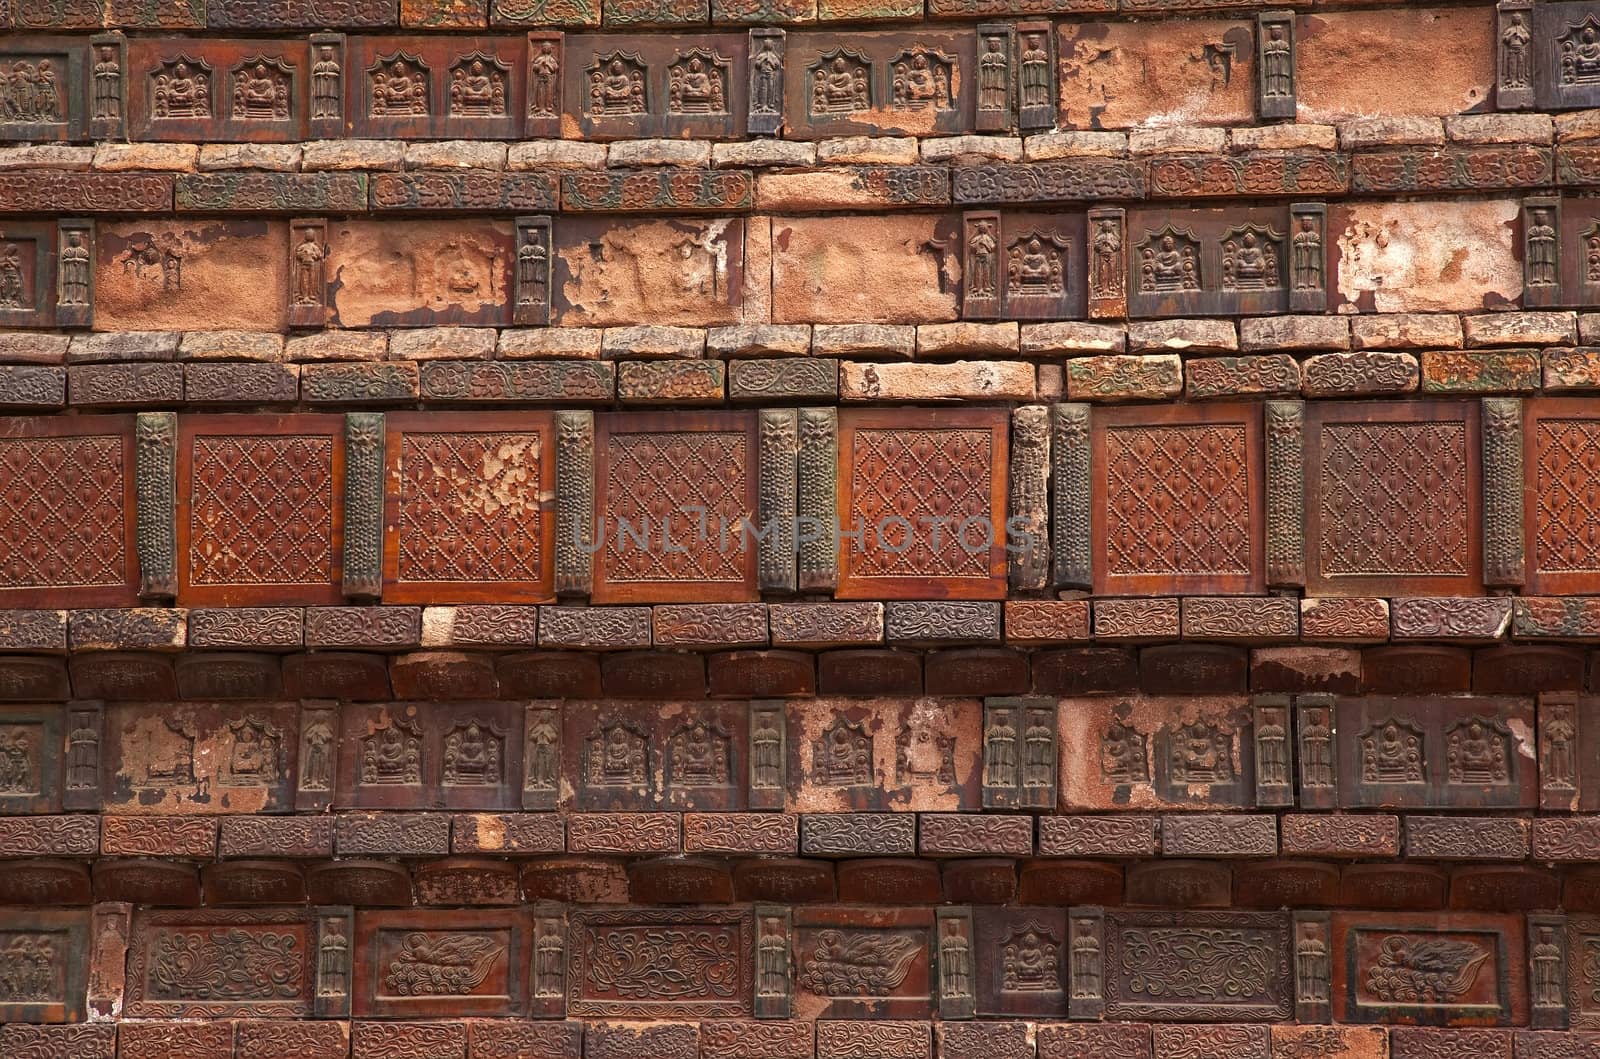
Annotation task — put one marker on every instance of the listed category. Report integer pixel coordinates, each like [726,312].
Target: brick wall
[535,529]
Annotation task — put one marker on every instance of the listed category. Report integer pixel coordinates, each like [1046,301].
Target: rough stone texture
[1427,257]
[821,273]
[1105,82]
[1347,63]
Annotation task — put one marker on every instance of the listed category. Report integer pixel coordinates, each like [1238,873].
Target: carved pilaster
[1308,257]
[1286,493]
[1541,251]
[308,272]
[1547,972]
[1515,55]
[777,509]
[574,503]
[1275,80]
[328,71]
[1019,753]
[766,81]
[981,269]
[110,925]
[1108,262]
[774,980]
[1316,748]
[531,307]
[817,529]
[769,755]
[1086,963]
[318,773]
[996,79]
[549,972]
[1036,75]
[546,70]
[108,86]
[953,956]
[1028,525]
[1274,734]
[1503,560]
[541,758]
[156,476]
[1313,967]
[81,776]
[363,504]
[335,947]
[1069,517]
[75,257]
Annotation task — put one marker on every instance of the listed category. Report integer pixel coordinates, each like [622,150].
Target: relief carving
[1272,748]
[700,755]
[392,755]
[1316,749]
[316,757]
[1123,755]
[1036,266]
[398,86]
[1425,971]
[442,964]
[840,83]
[922,78]
[1087,960]
[168,760]
[1250,258]
[1579,51]
[107,83]
[1477,752]
[1313,966]
[478,87]
[181,88]
[544,82]
[616,756]
[83,753]
[326,74]
[842,756]
[845,964]
[766,750]
[549,959]
[1169,260]
[474,754]
[1030,961]
[1106,265]
[333,960]
[697,83]
[1000,751]
[256,757]
[1034,85]
[1539,247]
[20,766]
[994,74]
[1556,756]
[1516,50]
[1547,968]
[1392,752]
[28,968]
[261,89]
[30,93]
[617,85]
[542,754]
[772,958]
[232,964]
[1202,753]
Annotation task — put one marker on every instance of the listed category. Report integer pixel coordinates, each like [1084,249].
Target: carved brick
[1062,1041]
[876,964]
[1254,173]
[1019,753]
[178,961]
[743,1039]
[1477,979]
[603,981]
[622,191]
[1219,836]
[387,1040]
[59,1042]
[391,834]
[62,192]
[1366,485]
[1083,180]
[1166,527]
[175,1040]
[421,964]
[468,512]
[1421,752]
[878,834]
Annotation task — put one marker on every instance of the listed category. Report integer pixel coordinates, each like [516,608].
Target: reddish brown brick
[1401,887]
[1467,837]
[628,833]
[869,672]
[879,1039]
[1285,884]
[653,675]
[444,675]
[391,834]
[511,833]
[1085,671]
[1416,670]
[386,1040]
[1503,888]
[1180,884]
[679,880]
[1047,621]
[975,671]
[985,1040]
[1329,835]
[267,836]
[958,834]
[630,1040]
[980,881]
[1098,836]
[759,833]
[166,836]
[1406,1042]
[784,879]
[761,674]
[1082,882]
[1066,1041]
[743,1038]
[575,880]
[549,675]
[1301,668]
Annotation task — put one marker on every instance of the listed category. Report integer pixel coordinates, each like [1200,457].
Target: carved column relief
[1028,528]
[1275,68]
[546,70]
[776,513]
[1036,75]
[996,44]
[156,464]
[1308,256]
[75,256]
[818,512]
[318,758]
[335,948]
[983,266]
[363,504]
[541,757]
[327,117]
[1503,553]
[1561,772]
[1286,494]
[308,272]
[1019,753]
[1316,741]
[953,956]
[1274,752]
[531,305]
[1547,971]
[1515,55]
[548,974]
[767,47]
[574,503]
[774,976]
[1313,967]
[1086,967]
[1072,543]
[85,729]
[769,755]
[1108,262]
[1541,251]
[108,92]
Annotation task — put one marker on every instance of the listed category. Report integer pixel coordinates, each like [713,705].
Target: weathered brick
[1136,619]
[1182,336]
[391,834]
[1124,378]
[767,834]
[1521,329]
[1450,618]
[1046,621]
[158,836]
[267,836]
[961,380]
[1459,371]
[858,834]
[825,624]
[710,624]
